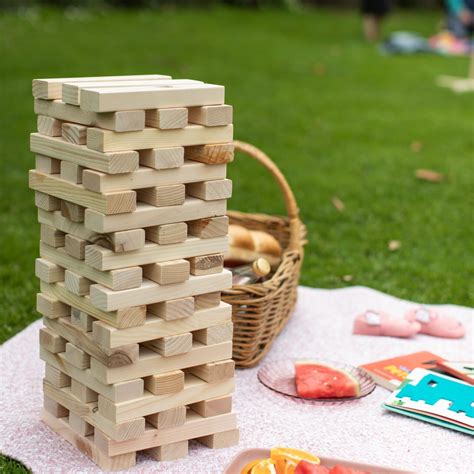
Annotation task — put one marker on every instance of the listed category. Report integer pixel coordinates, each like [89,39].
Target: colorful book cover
[459,369]
[435,398]
[390,373]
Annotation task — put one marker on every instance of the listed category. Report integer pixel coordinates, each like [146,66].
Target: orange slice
[265,466]
[248,467]
[291,457]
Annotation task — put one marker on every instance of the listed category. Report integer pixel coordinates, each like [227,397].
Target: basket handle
[288,196]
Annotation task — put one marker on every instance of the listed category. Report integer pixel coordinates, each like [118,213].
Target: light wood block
[79,426]
[51,341]
[221,440]
[160,196]
[128,317]
[211,115]
[167,119]
[45,164]
[169,452]
[150,292]
[208,300]
[152,363]
[74,133]
[165,273]
[214,334]
[47,202]
[213,406]
[213,372]
[156,327]
[71,172]
[126,241]
[146,215]
[210,190]
[168,418]
[56,147]
[145,177]
[54,408]
[108,141]
[83,393]
[164,384]
[119,279]
[172,345]
[49,126]
[75,247]
[211,154]
[173,309]
[110,203]
[56,377]
[73,212]
[162,158]
[77,284]
[142,97]
[167,233]
[104,259]
[51,236]
[209,227]
[77,357]
[81,320]
[48,271]
[51,307]
[126,121]
[207,264]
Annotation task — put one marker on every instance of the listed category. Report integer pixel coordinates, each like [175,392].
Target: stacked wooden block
[131,189]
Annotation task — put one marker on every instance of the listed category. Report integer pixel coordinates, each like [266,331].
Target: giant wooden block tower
[131,189]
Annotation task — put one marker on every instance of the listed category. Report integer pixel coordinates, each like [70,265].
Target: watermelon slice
[319,380]
[305,467]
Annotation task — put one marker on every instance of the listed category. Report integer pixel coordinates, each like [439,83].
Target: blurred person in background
[373,12]
[460,20]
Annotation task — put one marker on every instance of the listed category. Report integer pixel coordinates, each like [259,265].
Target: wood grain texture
[168,418]
[51,341]
[50,306]
[173,309]
[209,227]
[167,119]
[81,320]
[51,236]
[165,273]
[76,284]
[161,196]
[71,172]
[72,211]
[207,300]
[55,377]
[171,345]
[79,426]
[167,233]
[211,154]
[74,133]
[47,202]
[213,406]
[48,271]
[75,247]
[210,190]
[49,126]
[164,384]
[211,115]
[82,392]
[45,164]
[207,264]
[162,158]
[54,408]
[214,371]
[77,357]
[214,334]
[169,452]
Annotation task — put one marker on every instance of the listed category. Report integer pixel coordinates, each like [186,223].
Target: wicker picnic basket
[261,310]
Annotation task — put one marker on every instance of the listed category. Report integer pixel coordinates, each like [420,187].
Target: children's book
[390,373]
[460,370]
[435,398]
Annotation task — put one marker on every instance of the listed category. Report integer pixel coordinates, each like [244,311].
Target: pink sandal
[435,324]
[377,323]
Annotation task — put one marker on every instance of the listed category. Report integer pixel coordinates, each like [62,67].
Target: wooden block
[173,271]
[76,195]
[161,196]
[167,233]
[162,158]
[49,126]
[207,264]
[83,393]
[78,425]
[145,177]
[74,133]
[107,141]
[73,212]
[164,384]
[172,345]
[155,327]
[47,271]
[173,309]
[77,284]
[207,300]
[54,408]
[150,292]
[51,341]
[214,334]
[213,406]
[214,371]
[125,241]
[211,154]
[112,163]
[81,320]
[169,452]
[86,445]
[142,97]
[51,236]
[75,247]
[146,215]
[168,418]
[210,190]
[225,439]
[123,318]
[45,164]
[51,307]
[56,377]
[47,202]
[211,115]
[119,279]
[166,119]
[104,259]
[209,228]
[125,121]
[52,88]
[77,357]
[71,172]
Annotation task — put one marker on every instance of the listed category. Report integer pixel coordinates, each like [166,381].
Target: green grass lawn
[338,118]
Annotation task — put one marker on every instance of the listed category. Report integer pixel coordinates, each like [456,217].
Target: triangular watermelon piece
[320,380]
